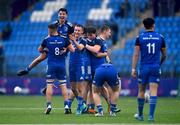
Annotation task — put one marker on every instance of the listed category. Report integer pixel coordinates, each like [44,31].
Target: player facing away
[54,47]
[106,73]
[77,69]
[98,52]
[150,46]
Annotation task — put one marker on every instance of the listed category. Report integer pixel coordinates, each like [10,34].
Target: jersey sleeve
[67,42]
[98,42]
[83,41]
[44,43]
[105,48]
[137,42]
[70,28]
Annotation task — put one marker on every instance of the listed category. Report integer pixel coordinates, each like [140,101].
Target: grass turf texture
[30,110]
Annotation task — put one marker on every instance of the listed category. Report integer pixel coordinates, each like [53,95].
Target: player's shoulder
[47,37]
[161,35]
[141,34]
[98,38]
[63,36]
[83,39]
[69,23]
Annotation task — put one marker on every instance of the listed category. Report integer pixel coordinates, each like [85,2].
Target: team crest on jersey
[65,29]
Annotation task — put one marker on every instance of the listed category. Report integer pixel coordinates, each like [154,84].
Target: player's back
[55,46]
[150,47]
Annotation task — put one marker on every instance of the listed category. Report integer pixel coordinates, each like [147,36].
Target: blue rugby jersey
[77,57]
[65,29]
[54,46]
[96,61]
[150,44]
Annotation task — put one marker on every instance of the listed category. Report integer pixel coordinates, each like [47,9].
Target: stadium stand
[31,28]
[169,27]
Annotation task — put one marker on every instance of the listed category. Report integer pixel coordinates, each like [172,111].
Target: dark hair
[104,28]
[63,9]
[148,22]
[53,25]
[90,30]
[79,25]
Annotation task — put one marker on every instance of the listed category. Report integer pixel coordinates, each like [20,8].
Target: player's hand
[22,72]
[133,73]
[63,51]
[72,37]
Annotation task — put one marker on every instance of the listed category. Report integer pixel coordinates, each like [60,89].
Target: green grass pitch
[29,110]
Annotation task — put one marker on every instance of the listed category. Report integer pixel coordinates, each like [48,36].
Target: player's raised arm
[37,60]
[71,48]
[94,49]
[77,38]
[79,46]
[101,54]
[33,64]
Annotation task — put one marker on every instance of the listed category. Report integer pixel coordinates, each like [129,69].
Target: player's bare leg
[74,90]
[90,100]
[84,90]
[114,95]
[81,87]
[49,93]
[97,100]
[140,101]
[153,100]
[105,92]
[65,96]
[73,94]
